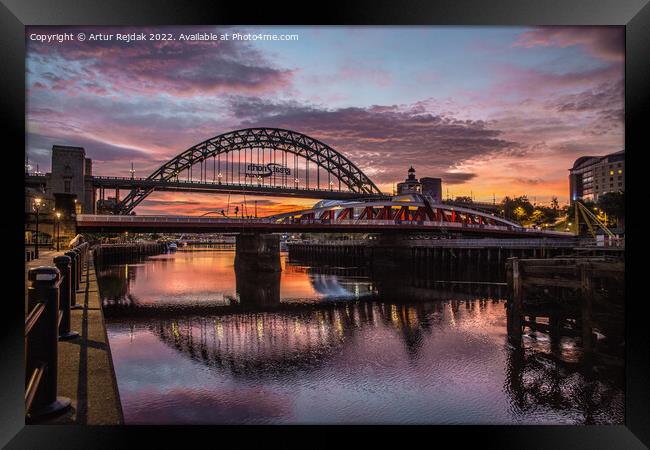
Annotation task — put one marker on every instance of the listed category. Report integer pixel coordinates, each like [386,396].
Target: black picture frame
[15,14]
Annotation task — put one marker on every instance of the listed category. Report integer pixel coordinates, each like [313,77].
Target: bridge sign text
[261,171]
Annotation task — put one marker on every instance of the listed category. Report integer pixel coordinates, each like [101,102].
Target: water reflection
[318,344]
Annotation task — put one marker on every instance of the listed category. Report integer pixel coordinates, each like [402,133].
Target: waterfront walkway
[85,365]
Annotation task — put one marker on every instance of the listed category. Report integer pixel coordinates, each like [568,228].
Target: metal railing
[49,301]
[285,221]
[292,186]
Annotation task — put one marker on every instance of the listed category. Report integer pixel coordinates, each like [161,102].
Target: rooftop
[585,161]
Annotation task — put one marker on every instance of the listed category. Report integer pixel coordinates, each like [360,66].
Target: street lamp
[58,234]
[38,202]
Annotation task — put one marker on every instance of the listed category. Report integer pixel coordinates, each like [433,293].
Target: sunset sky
[490,110]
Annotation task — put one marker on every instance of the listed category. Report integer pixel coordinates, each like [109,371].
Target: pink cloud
[182,68]
[601,42]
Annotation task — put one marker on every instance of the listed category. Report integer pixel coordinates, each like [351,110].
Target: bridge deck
[227,188]
[192,224]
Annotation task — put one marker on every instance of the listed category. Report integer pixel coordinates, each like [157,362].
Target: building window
[620,171]
[611,172]
[66,187]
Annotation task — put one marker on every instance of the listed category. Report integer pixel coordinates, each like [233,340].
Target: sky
[493,111]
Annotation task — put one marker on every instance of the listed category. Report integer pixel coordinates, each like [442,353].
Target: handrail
[33,317]
[32,386]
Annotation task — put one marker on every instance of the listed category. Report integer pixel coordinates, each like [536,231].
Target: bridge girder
[269,138]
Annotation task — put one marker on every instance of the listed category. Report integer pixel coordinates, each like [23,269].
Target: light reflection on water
[193,342]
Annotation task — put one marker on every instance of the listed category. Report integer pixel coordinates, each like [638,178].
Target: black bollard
[41,344]
[73,279]
[65,294]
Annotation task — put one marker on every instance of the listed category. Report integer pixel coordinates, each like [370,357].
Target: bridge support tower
[257,252]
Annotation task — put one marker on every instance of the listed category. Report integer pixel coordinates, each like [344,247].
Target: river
[193,342]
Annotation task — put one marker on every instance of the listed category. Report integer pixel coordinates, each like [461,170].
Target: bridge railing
[224,183]
[289,220]
[164,219]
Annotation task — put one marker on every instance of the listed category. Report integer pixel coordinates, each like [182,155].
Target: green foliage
[464,199]
[613,204]
[518,208]
[538,217]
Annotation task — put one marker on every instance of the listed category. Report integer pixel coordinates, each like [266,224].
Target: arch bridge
[259,161]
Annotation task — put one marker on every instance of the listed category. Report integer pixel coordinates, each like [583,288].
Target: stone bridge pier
[257,252]
[389,253]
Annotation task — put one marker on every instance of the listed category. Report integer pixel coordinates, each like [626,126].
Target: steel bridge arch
[270,138]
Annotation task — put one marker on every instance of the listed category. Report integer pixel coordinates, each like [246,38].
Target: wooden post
[555,325]
[516,283]
[517,298]
[586,299]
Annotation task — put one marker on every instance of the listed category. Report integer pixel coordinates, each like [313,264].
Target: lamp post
[38,202]
[58,234]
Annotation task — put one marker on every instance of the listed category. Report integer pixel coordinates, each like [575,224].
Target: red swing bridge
[402,213]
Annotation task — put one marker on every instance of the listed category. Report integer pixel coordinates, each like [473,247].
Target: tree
[519,213]
[613,204]
[518,208]
[464,199]
[538,217]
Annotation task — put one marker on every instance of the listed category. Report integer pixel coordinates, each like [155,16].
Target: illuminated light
[260,328]
[393,313]
[338,324]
